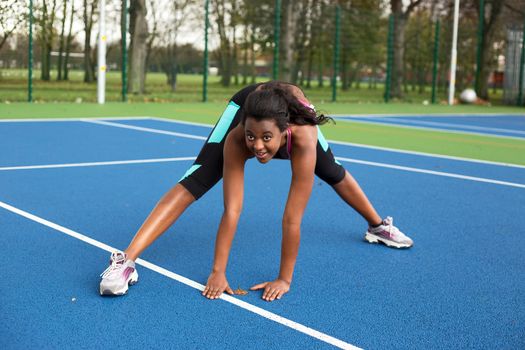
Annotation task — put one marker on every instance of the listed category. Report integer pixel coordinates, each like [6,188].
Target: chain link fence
[334,52]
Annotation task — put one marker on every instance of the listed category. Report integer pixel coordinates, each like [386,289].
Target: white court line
[156,131]
[430,129]
[242,304]
[176,121]
[359,145]
[117,162]
[390,149]
[423,154]
[430,155]
[439,173]
[424,122]
[350,160]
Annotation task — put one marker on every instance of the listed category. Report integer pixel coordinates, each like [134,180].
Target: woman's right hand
[216,284]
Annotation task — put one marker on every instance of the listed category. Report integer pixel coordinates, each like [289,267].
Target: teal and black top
[207,169]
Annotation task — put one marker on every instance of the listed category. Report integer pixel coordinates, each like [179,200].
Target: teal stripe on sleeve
[321,139]
[224,123]
[190,171]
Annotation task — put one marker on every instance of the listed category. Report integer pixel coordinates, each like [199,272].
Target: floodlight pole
[101,78]
[276,39]
[522,63]
[389,57]
[452,80]
[481,21]
[30,55]
[436,61]
[336,52]
[124,34]
[205,65]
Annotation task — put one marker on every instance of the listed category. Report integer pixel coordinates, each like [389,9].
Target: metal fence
[341,52]
[514,79]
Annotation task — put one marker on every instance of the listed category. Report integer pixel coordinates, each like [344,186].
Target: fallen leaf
[240,291]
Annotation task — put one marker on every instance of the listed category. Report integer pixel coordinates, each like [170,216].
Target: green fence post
[205,68]
[276,39]
[124,33]
[30,55]
[436,60]
[390,58]
[336,52]
[522,63]
[480,48]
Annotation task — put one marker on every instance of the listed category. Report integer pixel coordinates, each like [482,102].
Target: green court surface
[488,148]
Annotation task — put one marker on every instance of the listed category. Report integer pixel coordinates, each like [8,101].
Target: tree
[302,37]
[361,40]
[138,29]
[290,14]
[45,18]
[258,21]
[69,42]
[419,48]
[168,54]
[11,17]
[46,36]
[223,11]
[89,62]
[401,17]
[62,41]
[492,12]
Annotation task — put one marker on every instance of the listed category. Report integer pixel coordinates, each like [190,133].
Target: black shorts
[206,171]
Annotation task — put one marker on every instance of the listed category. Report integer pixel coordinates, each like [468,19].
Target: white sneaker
[120,274]
[388,234]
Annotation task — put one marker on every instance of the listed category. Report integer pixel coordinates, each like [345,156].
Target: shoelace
[391,229]
[117,260]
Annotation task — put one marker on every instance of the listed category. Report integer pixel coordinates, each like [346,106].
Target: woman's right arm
[235,156]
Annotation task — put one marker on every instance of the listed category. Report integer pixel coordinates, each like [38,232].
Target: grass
[461,145]
[57,100]
[13,88]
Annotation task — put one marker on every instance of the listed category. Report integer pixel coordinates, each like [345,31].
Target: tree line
[167,36]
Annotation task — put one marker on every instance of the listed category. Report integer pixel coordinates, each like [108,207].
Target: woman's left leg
[350,191]
[333,173]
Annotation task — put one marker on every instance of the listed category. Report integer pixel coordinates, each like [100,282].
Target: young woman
[262,121]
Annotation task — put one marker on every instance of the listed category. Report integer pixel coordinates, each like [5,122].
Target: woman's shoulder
[304,135]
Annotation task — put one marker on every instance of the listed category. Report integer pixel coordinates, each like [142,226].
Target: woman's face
[263,138]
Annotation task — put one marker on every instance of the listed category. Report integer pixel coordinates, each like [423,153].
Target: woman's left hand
[273,290]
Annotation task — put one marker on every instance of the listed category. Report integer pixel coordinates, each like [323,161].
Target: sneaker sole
[132,279]
[375,239]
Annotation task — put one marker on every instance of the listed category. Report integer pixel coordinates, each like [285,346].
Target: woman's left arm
[303,162]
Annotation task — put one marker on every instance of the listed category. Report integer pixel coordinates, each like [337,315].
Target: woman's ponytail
[275,101]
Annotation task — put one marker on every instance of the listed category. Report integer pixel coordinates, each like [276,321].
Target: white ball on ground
[468,96]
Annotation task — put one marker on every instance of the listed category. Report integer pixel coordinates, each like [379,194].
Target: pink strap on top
[289,132]
[289,142]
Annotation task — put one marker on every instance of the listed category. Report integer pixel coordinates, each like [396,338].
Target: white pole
[101,79]
[453,59]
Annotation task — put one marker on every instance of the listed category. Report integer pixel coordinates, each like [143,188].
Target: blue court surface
[491,125]
[72,191]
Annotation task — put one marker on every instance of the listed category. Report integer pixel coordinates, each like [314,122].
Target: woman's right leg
[165,213]
[205,172]
[200,177]
[122,272]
